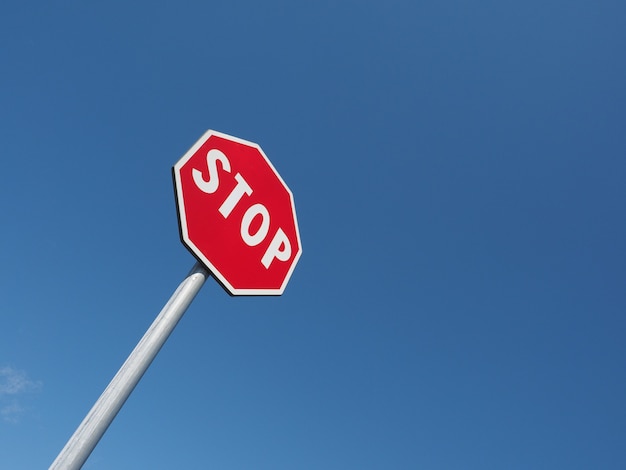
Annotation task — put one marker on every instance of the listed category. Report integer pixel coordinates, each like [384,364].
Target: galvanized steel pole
[86,437]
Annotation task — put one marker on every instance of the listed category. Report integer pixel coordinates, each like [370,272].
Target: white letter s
[212,157]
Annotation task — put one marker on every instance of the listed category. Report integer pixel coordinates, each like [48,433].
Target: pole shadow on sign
[237,216]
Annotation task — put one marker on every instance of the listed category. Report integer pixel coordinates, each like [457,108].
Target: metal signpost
[239,221]
[84,440]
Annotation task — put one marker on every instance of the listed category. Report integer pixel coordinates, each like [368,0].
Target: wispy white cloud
[13,384]
[11,412]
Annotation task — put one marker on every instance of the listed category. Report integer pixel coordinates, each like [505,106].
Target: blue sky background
[459,175]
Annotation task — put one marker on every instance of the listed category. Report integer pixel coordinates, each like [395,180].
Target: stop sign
[237,215]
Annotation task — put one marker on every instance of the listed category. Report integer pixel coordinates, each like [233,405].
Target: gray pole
[84,440]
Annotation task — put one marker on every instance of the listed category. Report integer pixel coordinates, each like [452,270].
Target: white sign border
[182,217]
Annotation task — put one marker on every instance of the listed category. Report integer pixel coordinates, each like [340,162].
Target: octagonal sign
[236,215]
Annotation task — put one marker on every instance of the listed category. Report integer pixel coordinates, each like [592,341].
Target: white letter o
[248,217]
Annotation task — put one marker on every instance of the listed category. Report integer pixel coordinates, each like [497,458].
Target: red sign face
[236,215]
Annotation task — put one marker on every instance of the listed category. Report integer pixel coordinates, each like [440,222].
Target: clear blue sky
[459,175]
